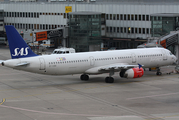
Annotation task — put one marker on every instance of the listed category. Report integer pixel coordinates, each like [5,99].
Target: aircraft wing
[116,67]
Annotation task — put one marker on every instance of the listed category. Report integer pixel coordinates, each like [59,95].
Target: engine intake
[134,73]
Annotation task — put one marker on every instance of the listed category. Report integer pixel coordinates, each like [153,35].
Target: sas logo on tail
[21,52]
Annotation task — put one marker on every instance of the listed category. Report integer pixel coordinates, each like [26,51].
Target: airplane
[126,62]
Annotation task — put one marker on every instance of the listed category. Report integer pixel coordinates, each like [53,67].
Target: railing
[171,38]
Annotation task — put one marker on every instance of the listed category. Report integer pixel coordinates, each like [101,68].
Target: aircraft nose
[175,60]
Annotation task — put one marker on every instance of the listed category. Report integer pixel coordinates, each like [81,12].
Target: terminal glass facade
[1,15]
[84,31]
[2,34]
[161,25]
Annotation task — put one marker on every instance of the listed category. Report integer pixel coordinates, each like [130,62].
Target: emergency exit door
[92,61]
[133,58]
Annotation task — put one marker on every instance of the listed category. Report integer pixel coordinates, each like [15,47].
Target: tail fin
[17,45]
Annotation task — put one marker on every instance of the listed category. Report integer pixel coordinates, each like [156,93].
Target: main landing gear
[158,71]
[110,79]
[84,77]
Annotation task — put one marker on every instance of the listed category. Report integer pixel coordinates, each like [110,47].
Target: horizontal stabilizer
[1,61]
[22,64]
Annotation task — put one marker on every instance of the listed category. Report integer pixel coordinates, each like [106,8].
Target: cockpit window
[171,53]
[60,52]
[54,52]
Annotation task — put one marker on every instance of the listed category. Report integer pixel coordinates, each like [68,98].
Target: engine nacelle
[134,73]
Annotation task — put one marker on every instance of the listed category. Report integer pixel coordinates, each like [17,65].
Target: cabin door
[42,63]
[164,55]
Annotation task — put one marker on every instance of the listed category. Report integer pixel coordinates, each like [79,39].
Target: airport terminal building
[91,24]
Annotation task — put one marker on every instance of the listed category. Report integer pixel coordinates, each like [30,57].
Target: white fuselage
[90,62]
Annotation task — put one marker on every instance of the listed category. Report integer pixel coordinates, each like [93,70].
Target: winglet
[17,45]
[139,65]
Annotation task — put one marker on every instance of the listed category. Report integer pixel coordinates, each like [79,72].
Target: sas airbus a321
[86,63]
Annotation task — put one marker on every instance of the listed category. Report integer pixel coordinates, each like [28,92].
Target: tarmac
[29,96]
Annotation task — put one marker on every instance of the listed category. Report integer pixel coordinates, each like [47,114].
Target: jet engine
[132,73]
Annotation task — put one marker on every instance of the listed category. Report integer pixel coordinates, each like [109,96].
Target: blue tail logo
[21,52]
[17,45]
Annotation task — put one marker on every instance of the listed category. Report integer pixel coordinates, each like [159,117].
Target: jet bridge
[169,41]
[164,31]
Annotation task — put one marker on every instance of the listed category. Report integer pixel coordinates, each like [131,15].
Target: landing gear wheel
[158,73]
[84,77]
[109,79]
[106,79]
